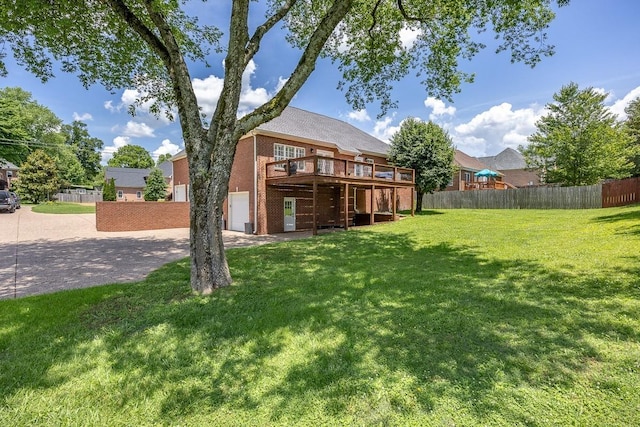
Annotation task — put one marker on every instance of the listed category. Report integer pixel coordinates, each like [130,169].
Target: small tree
[427,148]
[38,177]
[109,191]
[579,142]
[156,188]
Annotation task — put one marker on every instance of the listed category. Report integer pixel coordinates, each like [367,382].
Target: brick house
[130,182]
[466,167]
[340,177]
[513,166]
[8,172]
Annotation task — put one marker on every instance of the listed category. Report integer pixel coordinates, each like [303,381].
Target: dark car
[6,202]
[16,199]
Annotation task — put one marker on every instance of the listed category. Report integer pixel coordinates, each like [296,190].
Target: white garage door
[238,210]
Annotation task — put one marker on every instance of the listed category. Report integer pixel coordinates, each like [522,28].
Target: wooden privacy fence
[79,197]
[614,193]
[621,193]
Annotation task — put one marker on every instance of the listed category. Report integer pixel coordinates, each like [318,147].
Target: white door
[180,193]
[238,210]
[289,214]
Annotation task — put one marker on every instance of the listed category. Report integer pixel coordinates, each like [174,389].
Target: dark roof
[133,177]
[507,159]
[467,162]
[298,123]
[5,164]
[127,177]
[167,168]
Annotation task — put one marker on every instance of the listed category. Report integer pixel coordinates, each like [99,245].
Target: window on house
[467,177]
[325,166]
[139,195]
[362,170]
[120,194]
[284,152]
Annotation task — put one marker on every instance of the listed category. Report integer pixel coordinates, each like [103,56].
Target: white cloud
[359,116]
[118,141]
[500,127]
[137,130]
[208,92]
[438,108]
[619,105]
[108,105]
[383,129]
[82,117]
[166,147]
[408,36]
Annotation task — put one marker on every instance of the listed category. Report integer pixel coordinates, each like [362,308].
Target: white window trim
[285,152]
[120,194]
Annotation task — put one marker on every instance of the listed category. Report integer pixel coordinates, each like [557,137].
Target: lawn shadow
[390,323]
[630,214]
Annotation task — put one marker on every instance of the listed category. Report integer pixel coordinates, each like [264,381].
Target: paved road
[41,253]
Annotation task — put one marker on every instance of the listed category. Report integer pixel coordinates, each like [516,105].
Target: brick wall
[180,171]
[113,216]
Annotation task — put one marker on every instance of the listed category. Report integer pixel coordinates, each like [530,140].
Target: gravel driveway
[41,253]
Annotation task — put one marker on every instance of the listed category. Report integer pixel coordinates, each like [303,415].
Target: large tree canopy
[426,148]
[25,125]
[632,125]
[149,43]
[131,156]
[579,142]
[86,148]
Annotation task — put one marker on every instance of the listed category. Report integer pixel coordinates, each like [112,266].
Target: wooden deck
[337,171]
[314,171]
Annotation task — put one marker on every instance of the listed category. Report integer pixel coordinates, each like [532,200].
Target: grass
[64,208]
[450,318]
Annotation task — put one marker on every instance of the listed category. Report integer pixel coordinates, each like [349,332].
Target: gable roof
[507,159]
[467,162]
[167,168]
[127,177]
[316,128]
[5,164]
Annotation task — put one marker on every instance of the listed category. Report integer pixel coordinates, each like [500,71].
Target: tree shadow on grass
[363,325]
[629,217]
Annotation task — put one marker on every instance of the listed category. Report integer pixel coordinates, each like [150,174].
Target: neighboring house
[130,182]
[8,172]
[465,176]
[340,177]
[512,165]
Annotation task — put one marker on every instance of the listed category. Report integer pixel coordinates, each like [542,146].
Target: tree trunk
[209,176]
[419,195]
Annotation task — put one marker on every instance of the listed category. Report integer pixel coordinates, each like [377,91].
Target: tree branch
[254,44]
[139,27]
[405,14]
[303,70]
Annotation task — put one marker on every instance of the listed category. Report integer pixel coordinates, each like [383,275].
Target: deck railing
[340,168]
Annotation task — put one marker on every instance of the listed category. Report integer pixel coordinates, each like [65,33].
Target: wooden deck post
[315,207]
[346,206]
[413,208]
[393,203]
[372,219]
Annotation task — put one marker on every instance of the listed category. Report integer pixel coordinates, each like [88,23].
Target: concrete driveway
[41,253]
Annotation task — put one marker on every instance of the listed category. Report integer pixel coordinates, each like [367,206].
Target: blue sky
[597,45]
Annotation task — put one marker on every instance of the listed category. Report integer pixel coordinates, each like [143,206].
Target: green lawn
[64,208]
[457,317]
